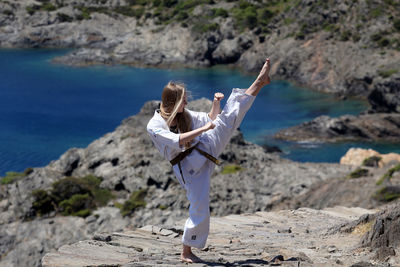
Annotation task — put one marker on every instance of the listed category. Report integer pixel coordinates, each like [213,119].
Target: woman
[191,141]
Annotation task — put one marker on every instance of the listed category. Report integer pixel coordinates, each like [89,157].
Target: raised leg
[262,79]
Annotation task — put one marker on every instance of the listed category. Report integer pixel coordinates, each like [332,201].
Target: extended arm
[189,136]
[216,106]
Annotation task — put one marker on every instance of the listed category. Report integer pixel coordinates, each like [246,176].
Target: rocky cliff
[342,46]
[120,181]
[349,48]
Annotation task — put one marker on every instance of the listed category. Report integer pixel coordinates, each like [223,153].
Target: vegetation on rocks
[387,73]
[387,193]
[388,175]
[12,177]
[359,172]
[371,161]
[71,196]
[228,169]
[135,201]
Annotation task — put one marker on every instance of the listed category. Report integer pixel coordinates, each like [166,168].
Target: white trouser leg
[229,120]
[198,224]
[197,188]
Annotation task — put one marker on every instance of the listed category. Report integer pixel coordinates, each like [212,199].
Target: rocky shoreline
[127,163]
[306,43]
[144,190]
[137,185]
[344,48]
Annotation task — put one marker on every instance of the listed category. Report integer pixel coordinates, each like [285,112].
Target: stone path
[282,238]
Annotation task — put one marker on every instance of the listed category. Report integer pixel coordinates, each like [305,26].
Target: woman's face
[183,104]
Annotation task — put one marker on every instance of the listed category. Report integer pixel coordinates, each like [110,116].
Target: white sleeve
[164,137]
[199,119]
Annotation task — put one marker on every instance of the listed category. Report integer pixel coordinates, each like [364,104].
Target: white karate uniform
[197,169]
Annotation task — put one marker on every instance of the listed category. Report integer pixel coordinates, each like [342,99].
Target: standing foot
[190,258]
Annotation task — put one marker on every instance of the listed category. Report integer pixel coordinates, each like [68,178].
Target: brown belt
[182,155]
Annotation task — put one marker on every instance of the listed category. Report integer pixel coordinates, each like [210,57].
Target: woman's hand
[208,126]
[218,97]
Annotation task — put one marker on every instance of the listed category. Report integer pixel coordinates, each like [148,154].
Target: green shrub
[156,3]
[345,35]
[135,201]
[48,7]
[85,13]
[12,177]
[43,203]
[288,21]
[376,37]
[28,171]
[356,37]
[228,169]
[76,204]
[162,207]
[396,24]
[205,27]
[387,73]
[383,42]
[101,196]
[64,17]
[118,205]
[358,173]
[331,27]
[376,12]
[249,17]
[371,161]
[137,2]
[244,4]
[32,9]
[264,15]
[182,15]
[8,13]
[188,4]
[388,175]
[387,193]
[169,3]
[72,196]
[67,187]
[220,12]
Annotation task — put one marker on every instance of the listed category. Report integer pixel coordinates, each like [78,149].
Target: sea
[48,108]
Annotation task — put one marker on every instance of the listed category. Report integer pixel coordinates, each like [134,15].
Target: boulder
[356,157]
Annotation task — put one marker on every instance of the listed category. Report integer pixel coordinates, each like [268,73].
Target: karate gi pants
[197,185]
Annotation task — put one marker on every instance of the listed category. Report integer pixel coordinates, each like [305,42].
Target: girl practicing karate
[192,141]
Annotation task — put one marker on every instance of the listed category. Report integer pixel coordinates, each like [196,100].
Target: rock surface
[356,157]
[366,127]
[283,238]
[347,48]
[127,162]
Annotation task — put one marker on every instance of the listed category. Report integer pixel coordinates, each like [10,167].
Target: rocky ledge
[342,47]
[120,181]
[366,127]
[381,122]
[303,237]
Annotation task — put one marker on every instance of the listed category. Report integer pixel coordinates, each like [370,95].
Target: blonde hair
[172,97]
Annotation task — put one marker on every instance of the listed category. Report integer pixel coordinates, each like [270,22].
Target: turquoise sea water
[46,108]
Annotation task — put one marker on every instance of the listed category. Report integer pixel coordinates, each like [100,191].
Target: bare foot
[190,258]
[263,77]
